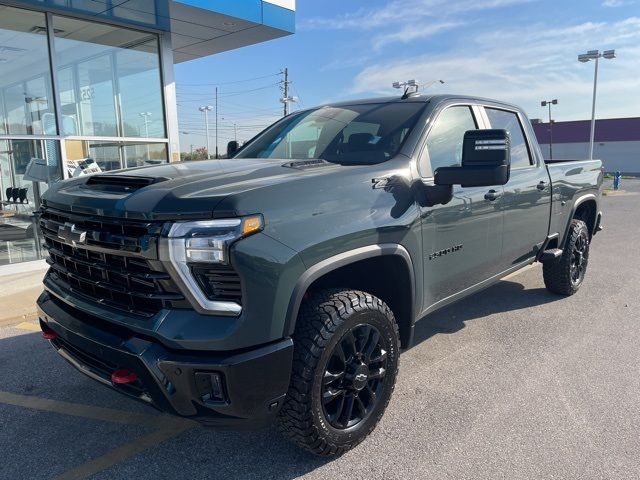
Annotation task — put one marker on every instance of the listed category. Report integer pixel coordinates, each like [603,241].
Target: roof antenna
[410,87]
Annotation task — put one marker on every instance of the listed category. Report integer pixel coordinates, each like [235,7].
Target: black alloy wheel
[354,376]
[579,258]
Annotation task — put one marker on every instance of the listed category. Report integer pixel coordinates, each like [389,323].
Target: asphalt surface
[511,383]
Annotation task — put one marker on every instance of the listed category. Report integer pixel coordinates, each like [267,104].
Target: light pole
[145,116]
[548,103]
[206,109]
[584,58]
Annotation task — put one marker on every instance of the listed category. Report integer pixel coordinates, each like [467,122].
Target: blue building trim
[278,17]
[250,10]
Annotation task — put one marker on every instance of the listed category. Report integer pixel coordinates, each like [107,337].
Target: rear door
[527,195]
[462,240]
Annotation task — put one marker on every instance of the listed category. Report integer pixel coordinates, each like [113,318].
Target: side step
[550,255]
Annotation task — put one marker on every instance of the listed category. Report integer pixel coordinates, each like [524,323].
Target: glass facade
[73,93]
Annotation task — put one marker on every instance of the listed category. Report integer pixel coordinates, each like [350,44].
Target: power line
[226,83]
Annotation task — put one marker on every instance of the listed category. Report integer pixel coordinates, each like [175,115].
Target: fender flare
[340,260]
[576,204]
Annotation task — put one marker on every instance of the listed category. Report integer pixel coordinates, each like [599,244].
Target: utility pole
[286,91]
[286,99]
[217,156]
[235,131]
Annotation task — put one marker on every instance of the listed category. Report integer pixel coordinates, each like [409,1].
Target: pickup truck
[281,284]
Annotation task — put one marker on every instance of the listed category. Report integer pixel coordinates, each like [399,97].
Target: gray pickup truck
[283,282]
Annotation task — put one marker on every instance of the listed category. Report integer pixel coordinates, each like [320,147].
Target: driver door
[462,240]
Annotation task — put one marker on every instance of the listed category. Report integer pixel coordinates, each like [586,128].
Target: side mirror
[486,161]
[232,147]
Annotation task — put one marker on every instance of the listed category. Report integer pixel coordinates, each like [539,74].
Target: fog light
[209,387]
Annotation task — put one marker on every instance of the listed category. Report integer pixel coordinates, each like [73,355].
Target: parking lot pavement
[510,383]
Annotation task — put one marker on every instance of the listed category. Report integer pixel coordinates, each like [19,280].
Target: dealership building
[616,142]
[88,85]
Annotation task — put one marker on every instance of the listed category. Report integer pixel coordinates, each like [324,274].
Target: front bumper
[254,381]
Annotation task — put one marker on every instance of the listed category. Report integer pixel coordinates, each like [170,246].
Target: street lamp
[145,116]
[548,103]
[206,109]
[584,58]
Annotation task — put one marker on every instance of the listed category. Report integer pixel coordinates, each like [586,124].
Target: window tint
[509,122]
[444,143]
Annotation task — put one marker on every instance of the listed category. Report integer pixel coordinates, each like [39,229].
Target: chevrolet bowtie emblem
[70,235]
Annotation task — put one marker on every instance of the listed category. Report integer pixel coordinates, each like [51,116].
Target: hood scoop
[120,183]
[306,164]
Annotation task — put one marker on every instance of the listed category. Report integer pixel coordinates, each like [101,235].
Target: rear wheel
[565,275]
[346,349]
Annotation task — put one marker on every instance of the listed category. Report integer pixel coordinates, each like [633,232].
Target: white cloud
[616,3]
[401,21]
[526,65]
[413,32]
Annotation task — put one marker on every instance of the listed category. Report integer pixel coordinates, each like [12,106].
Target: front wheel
[346,353]
[565,275]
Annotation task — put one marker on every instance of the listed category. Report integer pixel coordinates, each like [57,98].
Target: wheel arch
[585,208]
[342,271]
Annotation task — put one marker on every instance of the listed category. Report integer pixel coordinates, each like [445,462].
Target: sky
[519,51]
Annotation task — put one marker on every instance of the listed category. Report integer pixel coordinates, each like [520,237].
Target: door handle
[491,195]
[542,185]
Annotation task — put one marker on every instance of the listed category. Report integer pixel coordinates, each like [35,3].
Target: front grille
[218,282]
[114,268]
[112,234]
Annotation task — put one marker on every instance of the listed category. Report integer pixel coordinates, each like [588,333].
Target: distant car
[283,282]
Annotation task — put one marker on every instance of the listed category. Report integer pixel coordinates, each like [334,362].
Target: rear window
[509,121]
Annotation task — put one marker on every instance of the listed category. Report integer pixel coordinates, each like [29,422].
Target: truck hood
[178,190]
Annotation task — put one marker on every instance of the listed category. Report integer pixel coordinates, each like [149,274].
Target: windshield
[354,134]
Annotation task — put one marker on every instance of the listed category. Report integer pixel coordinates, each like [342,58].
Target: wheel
[565,275]
[345,363]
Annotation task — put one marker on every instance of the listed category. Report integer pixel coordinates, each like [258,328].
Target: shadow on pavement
[505,296]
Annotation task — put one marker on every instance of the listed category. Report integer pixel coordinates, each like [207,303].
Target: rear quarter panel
[572,183]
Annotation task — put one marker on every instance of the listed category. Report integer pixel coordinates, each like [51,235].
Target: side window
[509,121]
[444,144]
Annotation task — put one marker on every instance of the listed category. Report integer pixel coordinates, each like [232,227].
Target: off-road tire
[324,322]
[559,275]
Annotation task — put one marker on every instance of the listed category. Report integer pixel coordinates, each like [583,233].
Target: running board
[550,255]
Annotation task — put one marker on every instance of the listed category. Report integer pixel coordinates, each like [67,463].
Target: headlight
[206,242]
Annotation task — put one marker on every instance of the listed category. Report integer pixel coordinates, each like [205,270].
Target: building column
[169,91]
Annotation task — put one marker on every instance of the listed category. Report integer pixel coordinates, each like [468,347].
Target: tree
[197,154]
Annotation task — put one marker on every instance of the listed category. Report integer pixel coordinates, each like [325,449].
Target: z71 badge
[445,251]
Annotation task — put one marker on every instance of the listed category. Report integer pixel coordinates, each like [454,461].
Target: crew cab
[282,283]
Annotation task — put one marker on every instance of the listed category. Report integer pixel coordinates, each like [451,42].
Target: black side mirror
[232,147]
[486,161]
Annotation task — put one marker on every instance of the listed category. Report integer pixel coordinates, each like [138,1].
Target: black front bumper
[254,382]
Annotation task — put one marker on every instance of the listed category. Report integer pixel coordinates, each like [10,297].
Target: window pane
[141,90]
[142,155]
[444,144]
[509,121]
[26,169]
[26,106]
[101,68]
[85,157]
